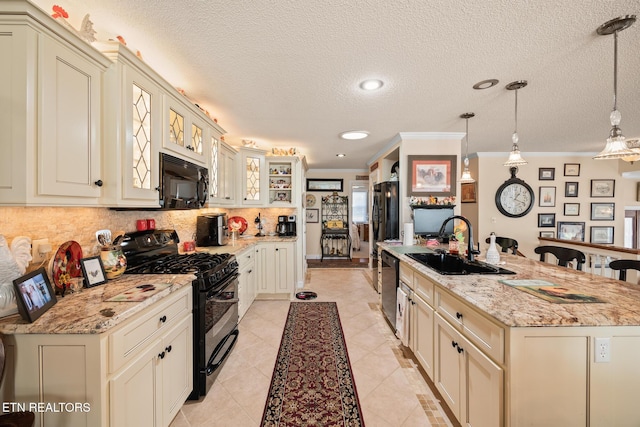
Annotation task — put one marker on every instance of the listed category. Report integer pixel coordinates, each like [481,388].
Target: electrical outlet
[37,255]
[603,350]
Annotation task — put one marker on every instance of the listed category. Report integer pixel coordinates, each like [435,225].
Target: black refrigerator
[385,214]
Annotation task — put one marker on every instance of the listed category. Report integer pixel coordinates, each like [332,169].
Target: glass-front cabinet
[222,173]
[185,131]
[282,185]
[253,176]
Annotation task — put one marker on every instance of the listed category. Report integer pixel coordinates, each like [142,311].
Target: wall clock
[514,197]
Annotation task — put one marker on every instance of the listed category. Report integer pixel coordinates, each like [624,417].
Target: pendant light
[616,147]
[514,156]
[466,174]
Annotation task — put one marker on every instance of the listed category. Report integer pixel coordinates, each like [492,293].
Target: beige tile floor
[392,393]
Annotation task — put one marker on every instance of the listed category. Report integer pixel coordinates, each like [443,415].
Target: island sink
[452,264]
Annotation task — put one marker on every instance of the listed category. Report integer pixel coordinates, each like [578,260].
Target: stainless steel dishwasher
[390,271]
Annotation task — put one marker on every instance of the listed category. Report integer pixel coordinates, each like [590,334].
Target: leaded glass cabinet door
[253,177]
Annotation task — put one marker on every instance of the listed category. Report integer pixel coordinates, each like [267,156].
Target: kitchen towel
[408,234]
[402,316]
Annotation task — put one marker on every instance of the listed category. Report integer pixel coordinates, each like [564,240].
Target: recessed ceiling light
[371,84]
[354,134]
[485,84]
[341,155]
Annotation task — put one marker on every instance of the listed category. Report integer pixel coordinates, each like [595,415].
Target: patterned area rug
[312,383]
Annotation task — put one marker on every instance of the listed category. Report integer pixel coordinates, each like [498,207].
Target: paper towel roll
[408,234]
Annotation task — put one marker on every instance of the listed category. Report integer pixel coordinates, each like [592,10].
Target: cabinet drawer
[133,335]
[423,287]
[245,258]
[488,336]
[406,275]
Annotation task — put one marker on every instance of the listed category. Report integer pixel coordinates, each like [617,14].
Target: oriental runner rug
[312,383]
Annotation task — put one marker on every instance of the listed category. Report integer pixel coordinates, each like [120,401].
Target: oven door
[221,325]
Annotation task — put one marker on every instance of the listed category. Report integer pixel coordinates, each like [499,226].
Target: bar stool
[506,243]
[623,265]
[564,255]
[17,419]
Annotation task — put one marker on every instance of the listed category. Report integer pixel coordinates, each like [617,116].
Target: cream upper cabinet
[283,181]
[186,133]
[50,131]
[253,177]
[222,173]
[133,123]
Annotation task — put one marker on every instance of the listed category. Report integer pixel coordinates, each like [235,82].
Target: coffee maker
[286,226]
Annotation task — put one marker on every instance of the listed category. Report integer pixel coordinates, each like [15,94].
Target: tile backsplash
[60,224]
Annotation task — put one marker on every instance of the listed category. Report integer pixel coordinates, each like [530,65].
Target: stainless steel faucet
[470,251]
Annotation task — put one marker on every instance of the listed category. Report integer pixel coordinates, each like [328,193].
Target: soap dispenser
[493,255]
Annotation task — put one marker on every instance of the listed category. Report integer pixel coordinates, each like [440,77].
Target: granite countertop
[87,311]
[516,308]
[242,243]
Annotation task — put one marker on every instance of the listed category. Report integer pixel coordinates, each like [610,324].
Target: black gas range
[215,296]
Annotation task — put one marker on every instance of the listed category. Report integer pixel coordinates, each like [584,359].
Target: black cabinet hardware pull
[163,319]
[161,355]
[168,349]
[99,183]
[458,315]
[454,344]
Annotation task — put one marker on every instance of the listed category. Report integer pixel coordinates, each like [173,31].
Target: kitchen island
[501,356]
[93,362]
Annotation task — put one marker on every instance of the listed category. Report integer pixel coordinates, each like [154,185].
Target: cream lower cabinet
[275,265]
[247,280]
[421,341]
[137,374]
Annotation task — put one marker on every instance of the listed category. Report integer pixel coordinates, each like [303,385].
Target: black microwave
[183,185]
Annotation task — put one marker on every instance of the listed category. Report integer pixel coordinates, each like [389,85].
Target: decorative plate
[310,200]
[237,223]
[65,264]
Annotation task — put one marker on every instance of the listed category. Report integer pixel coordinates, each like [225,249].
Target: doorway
[360,219]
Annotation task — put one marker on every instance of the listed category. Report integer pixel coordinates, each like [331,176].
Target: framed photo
[548,234]
[602,235]
[546,220]
[572,209]
[603,187]
[570,189]
[547,196]
[34,294]
[312,215]
[546,174]
[93,271]
[571,231]
[572,169]
[317,184]
[431,176]
[468,192]
[603,211]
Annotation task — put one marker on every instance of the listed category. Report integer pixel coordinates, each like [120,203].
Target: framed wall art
[547,197]
[34,294]
[468,191]
[93,271]
[603,211]
[546,220]
[312,215]
[318,184]
[548,234]
[602,235]
[571,231]
[570,189]
[572,169]
[546,174]
[431,176]
[603,187]
[572,209]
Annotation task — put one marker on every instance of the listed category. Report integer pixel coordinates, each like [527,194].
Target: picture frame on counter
[546,220]
[93,271]
[312,216]
[547,197]
[572,209]
[571,189]
[546,174]
[317,184]
[431,176]
[34,294]
[601,235]
[572,169]
[571,231]
[603,211]
[548,234]
[603,187]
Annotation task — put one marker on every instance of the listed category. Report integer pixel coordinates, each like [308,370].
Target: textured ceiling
[285,73]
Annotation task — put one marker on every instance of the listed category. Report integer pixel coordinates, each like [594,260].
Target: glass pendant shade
[515,159]
[466,177]
[616,146]
[633,145]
